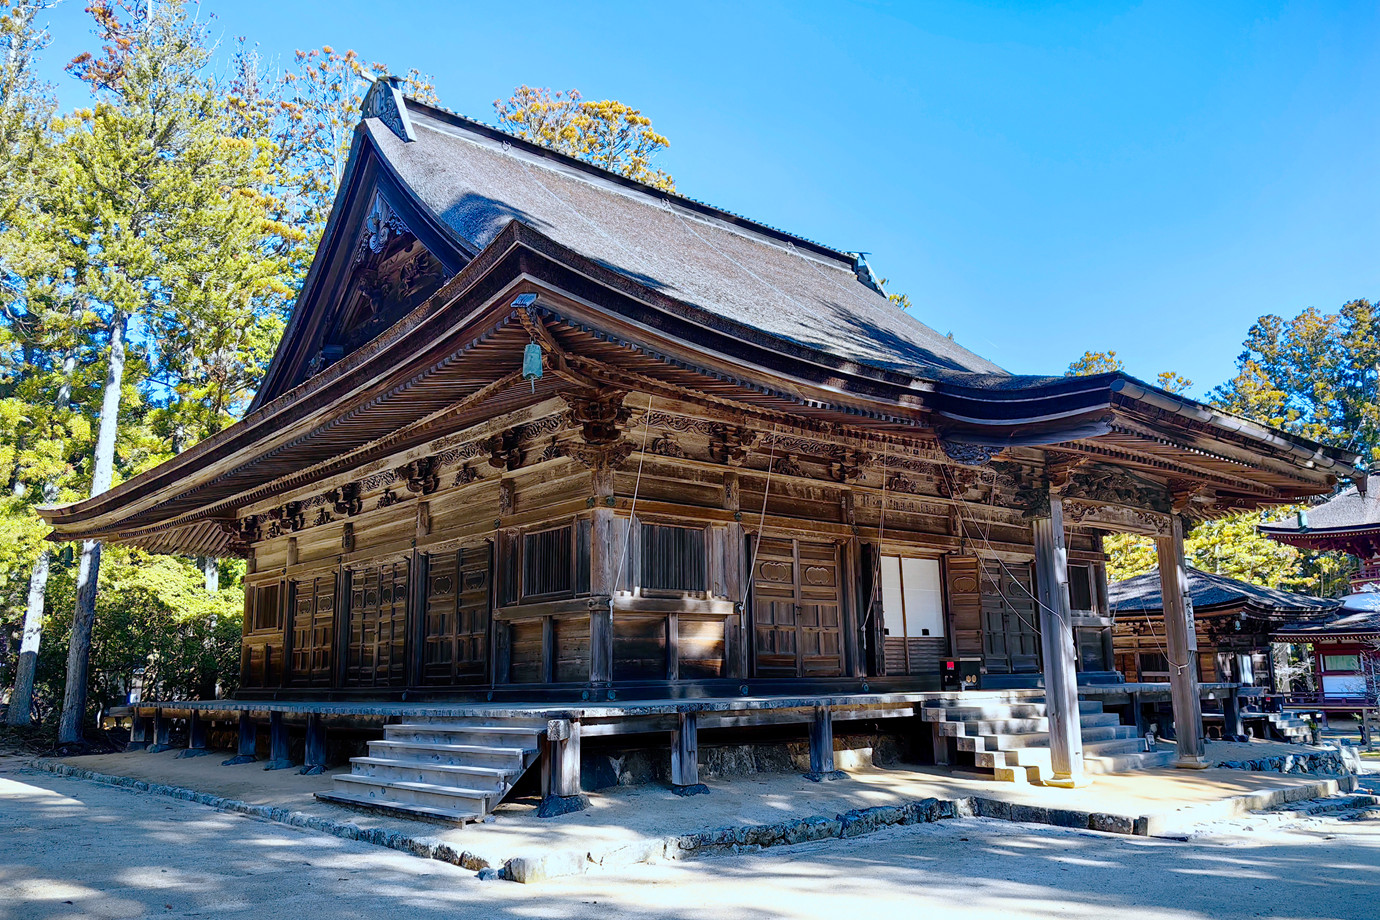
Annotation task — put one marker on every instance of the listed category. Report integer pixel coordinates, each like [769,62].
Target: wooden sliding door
[797,609]
[377,630]
[455,644]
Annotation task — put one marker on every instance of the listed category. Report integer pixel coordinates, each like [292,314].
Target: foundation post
[315,759]
[278,757]
[822,747]
[560,770]
[197,728]
[685,756]
[138,733]
[162,733]
[248,736]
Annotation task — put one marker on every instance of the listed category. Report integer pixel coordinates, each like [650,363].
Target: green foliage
[607,133]
[1232,546]
[1317,375]
[154,613]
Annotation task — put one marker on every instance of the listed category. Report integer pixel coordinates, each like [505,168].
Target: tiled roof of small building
[1347,509]
[1142,594]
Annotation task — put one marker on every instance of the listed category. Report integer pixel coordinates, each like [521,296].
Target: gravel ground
[71,849]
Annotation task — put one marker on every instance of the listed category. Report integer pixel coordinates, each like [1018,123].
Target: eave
[402,389]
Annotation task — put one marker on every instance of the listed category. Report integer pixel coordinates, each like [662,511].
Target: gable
[380,257]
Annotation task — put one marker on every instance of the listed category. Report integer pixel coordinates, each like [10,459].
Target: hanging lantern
[531,364]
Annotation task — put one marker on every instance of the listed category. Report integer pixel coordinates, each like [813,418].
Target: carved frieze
[600,414]
[421,476]
[382,224]
[967,454]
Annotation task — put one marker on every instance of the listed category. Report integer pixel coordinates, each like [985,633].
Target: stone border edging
[731,839]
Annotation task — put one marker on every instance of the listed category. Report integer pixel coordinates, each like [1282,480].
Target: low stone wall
[1324,763]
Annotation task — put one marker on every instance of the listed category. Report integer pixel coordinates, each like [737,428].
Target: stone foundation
[615,764]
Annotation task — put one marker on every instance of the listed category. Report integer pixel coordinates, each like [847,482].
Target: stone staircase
[452,770]
[1010,737]
[1290,726]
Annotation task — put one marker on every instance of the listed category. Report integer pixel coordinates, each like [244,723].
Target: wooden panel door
[797,610]
[313,631]
[375,656]
[1010,620]
[455,642]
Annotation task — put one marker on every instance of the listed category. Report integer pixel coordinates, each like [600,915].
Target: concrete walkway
[71,850]
[626,817]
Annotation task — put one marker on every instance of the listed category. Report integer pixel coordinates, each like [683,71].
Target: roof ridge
[642,189]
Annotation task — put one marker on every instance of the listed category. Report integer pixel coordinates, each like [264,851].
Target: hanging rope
[632,510]
[761,521]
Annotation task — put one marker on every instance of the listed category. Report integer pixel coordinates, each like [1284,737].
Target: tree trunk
[22,699]
[79,648]
[210,568]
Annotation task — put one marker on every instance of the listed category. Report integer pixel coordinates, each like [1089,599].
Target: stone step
[1040,756]
[1032,774]
[449,733]
[490,779]
[1131,760]
[986,697]
[992,712]
[1041,739]
[513,758]
[454,799]
[399,809]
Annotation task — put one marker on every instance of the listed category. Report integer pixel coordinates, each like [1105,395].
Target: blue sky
[1041,179]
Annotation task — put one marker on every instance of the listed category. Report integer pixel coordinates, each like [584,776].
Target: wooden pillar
[735,578]
[196,736]
[315,760]
[854,665]
[822,746]
[278,756]
[162,732]
[138,733]
[605,549]
[1233,726]
[685,756]
[1056,643]
[1181,640]
[248,736]
[560,770]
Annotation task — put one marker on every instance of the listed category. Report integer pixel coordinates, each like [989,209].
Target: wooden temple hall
[547,454]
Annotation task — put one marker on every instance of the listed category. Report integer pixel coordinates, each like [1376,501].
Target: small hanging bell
[531,364]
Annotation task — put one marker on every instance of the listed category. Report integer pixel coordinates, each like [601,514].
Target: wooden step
[478,754]
[492,779]
[486,735]
[399,809]
[433,795]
